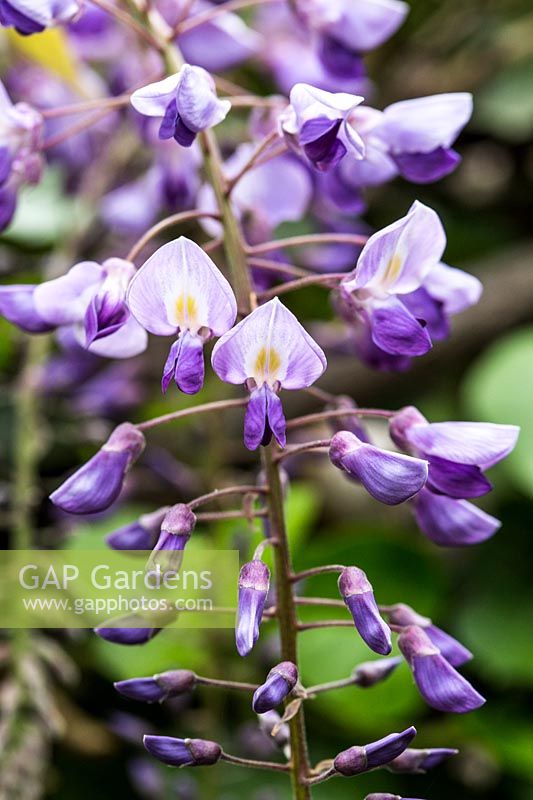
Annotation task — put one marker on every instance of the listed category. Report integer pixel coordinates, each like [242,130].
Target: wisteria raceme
[153,158]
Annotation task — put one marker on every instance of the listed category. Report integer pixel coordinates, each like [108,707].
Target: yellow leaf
[50,49]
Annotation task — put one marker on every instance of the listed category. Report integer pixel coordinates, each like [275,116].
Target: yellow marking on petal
[267,364]
[186,311]
[394,267]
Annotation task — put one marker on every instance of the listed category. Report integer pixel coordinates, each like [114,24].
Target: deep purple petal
[442,687]
[8,204]
[182,134]
[6,161]
[453,651]
[427,167]
[256,428]
[481,443]
[456,480]
[275,416]
[169,750]
[395,330]
[453,523]
[340,60]
[127,636]
[319,139]
[185,363]
[388,748]
[11,17]
[372,629]
[423,306]
[147,690]
[270,694]
[168,123]
[131,537]
[254,579]
[95,486]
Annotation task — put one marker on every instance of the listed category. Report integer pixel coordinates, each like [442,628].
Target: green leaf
[499,388]
[505,106]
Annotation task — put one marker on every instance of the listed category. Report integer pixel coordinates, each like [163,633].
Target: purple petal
[396,331]
[269,345]
[6,161]
[453,651]
[455,289]
[479,443]
[169,750]
[254,581]
[17,306]
[275,417]
[63,301]
[23,24]
[453,523]
[457,480]
[153,100]
[424,124]
[131,537]
[424,307]
[185,363]
[427,167]
[271,693]
[398,258]
[127,341]
[127,636]
[145,690]
[390,477]
[340,60]
[168,123]
[388,748]
[198,105]
[319,139]
[8,205]
[179,288]
[363,26]
[372,629]
[442,687]
[182,134]
[95,486]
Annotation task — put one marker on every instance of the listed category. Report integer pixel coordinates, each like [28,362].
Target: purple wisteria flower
[452,523]
[348,28]
[419,761]
[98,483]
[139,535]
[187,103]
[452,650]
[89,300]
[20,139]
[159,687]
[316,123]
[268,350]
[394,263]
[389,477]
[441,686]
[176,530]
[356,759]
[279,683]
[254,582]
[369,673]
[180,291]
[358,595]
[33,16]
[183,752]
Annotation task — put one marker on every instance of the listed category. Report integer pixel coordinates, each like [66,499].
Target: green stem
[288,621]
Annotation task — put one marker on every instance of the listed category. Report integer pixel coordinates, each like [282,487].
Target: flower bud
[135,628]
[254,582]
[414,761]
[183,752]
[139,535]
[280,681]
[176,529]
[452,650]
[358,595]
[159,687]
[441,686]
[96,485]
[389,477]
[361,759]
[371,672]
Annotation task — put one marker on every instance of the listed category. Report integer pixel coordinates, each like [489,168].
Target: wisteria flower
[33,16]
[254,583]
[279,683]
[183,752]
[394,263]
[20,161]
[360,759]
[358,595]
[452,523]
[180,292]
[187,103]
[452,650]
[317,123]
[268,350]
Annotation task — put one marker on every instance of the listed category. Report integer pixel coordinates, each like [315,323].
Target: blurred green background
[483,596]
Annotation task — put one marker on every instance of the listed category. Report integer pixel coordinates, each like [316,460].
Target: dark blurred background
[484,596]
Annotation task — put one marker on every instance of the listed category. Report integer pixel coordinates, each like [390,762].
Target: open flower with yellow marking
[268,351]
[179,290]
[386,292]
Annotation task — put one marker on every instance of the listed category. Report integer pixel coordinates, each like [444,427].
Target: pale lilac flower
[268,350]
[98,483]
[20,160]
[458,452]
[390,477]
[159,687]
[317,124]
[452,523]
[441,686]
[452,650]
[279,683]
[360,759]
[394,262]
[179,291]
[254,582]
[90,299]
[186,102]
[358,594]
[33,16]
[183,752]
[348,28]
[419,761]
[17,305]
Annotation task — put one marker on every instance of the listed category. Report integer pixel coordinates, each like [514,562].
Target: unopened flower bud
[361,759]
[254,582]
[441,686]
[159,687]
[136,628]
[176,529]
[139,535]
[280,681]
[371,672]
[358,595]
[96,485]
[413,761]
[452,650]
[183,752]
